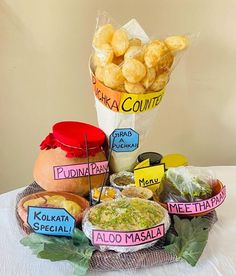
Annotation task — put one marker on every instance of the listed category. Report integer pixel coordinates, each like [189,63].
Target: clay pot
[50,162]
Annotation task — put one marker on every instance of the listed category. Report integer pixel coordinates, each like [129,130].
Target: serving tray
[110,260]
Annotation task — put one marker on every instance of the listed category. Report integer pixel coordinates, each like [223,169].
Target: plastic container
[125,180]
[108,193]
[154,158]
[174,160]
[139,192]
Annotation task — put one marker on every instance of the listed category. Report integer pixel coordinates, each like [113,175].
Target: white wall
[44,50]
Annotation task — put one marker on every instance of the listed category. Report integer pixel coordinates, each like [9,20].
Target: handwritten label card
[191,208]
[149,177]
[50,221]
[80,170]
[124,140]
[125,102]
[127,238]
[143,164]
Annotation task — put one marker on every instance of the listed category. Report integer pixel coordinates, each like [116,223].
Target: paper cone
[129,113]
[132,114]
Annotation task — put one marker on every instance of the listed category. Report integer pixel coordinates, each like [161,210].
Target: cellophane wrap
[110,120]
[186,184]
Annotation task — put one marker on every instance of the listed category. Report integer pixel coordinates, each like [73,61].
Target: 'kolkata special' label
[50,221]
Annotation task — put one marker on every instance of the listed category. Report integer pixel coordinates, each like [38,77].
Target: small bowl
[105,188]
[114,176]
[82,202]
[216,187]
[139,192]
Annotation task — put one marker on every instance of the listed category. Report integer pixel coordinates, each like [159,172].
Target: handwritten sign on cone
[125,102]
[124,140]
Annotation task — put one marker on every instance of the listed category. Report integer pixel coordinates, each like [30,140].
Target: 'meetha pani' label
[125,102]
[189,208]
[127,238]
[80,170]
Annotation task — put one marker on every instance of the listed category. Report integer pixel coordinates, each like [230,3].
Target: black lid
[154,157]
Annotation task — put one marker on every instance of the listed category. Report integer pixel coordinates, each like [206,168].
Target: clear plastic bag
[186,184]
[127,60]
[128,82]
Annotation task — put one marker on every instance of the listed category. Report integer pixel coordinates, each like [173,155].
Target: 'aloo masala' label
[80,170]
[188,208]
[127,238]
[125,102]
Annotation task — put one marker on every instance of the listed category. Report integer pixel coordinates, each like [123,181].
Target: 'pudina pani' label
[80,170]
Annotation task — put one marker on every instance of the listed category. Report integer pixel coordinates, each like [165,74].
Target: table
[218,258]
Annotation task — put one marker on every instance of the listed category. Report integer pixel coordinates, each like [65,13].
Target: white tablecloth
[218,258]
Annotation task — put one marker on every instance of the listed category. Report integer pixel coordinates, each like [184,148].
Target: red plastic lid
[73,134]
[71,137]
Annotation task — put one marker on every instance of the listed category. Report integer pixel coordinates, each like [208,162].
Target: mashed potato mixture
[126,214]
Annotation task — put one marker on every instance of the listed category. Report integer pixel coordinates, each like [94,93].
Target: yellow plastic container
[174,160]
